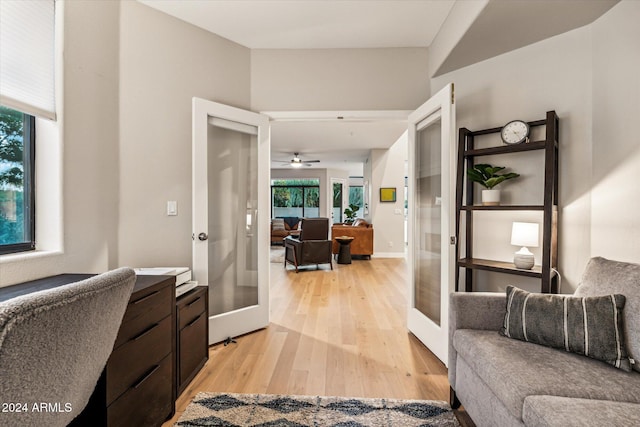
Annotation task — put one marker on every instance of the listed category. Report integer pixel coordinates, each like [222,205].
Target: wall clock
[515,132]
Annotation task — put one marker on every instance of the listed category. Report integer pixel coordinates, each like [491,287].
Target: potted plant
[488,177]
[350,213]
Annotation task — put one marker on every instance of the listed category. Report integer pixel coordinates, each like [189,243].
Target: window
[356,197]
[295,197]
[17,198]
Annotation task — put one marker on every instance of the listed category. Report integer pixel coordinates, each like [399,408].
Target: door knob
[203,236]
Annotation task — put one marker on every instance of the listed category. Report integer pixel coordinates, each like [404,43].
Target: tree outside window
[16,166]
[356,197]
[295,197]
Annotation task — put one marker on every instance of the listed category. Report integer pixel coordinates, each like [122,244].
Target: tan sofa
[361,231]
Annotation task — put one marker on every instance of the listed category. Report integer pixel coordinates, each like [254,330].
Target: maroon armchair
[311,247]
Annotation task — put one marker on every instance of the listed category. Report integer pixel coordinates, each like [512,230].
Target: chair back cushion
[55,343]
[314,229]
[291,222]
[360,222]
[277,224]
[604,277]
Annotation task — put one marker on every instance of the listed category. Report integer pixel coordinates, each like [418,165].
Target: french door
[231,213]
[432,156]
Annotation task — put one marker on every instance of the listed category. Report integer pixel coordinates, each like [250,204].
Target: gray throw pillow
[277,224]
[590,326]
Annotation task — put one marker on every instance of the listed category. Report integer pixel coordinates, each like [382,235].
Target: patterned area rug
[227,409]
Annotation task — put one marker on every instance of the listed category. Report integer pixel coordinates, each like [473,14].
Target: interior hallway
[332,333]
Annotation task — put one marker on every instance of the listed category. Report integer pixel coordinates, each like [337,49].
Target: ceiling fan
[297,162]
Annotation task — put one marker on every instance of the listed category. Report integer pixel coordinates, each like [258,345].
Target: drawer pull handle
[145,332]
[193,321]
[146,376]
[146,297]
[193,302]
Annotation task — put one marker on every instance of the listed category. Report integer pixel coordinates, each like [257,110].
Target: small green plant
[487,175]
[350,213]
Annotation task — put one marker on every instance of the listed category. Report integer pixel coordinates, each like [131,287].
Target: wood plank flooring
[332,333]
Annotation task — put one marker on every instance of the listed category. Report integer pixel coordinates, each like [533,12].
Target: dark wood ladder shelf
[467,154]
[500,267]
[529,146]
[503,208]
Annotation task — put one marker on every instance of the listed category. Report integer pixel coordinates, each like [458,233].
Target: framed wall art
[387,194]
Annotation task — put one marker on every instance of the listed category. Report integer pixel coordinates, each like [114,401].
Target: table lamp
[524,234]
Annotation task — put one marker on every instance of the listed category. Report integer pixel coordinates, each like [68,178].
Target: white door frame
[250,318]
[440,106]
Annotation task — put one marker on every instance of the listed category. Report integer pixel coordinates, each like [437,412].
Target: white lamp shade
[524,234]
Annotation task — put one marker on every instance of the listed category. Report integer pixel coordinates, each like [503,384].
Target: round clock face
[515,132]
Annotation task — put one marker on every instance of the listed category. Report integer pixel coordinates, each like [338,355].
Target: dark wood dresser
[140,379]
[192,346]
[138,385]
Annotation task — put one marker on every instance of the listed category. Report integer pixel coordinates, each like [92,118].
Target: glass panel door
[431,200]
[231,213]
[232,172]
[338,194]
[428,226]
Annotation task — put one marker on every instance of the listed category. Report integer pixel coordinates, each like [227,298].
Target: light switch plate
[172,208]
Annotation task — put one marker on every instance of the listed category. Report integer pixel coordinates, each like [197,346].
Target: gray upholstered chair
[55,343]
[312,247]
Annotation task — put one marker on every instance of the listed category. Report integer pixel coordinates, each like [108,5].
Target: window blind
[27,56]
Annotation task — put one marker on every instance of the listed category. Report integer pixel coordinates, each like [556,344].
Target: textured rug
[227,409]
[277,254]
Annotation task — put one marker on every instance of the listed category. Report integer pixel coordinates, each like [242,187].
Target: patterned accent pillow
[590,326]
[277,224]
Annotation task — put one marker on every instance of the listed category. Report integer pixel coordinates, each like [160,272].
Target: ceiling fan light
[296,164]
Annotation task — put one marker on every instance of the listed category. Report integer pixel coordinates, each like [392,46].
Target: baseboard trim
[389,255]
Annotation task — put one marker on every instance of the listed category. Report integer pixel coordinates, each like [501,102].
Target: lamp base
[523,261]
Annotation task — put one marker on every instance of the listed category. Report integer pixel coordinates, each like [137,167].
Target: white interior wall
[338,79]
[615,201]
[164,62]
[387,170]
[460,18]
[553,74]
[88,121]
[590,77]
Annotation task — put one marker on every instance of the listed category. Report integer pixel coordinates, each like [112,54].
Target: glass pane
[286,201]
[15,218]
[428,219]
[311,202]
[356,197]
[337,202]
[233,228]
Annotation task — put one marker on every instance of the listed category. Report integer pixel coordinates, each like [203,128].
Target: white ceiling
[314,24]
[337,144]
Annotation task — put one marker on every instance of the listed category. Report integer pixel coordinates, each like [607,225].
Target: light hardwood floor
[332,333]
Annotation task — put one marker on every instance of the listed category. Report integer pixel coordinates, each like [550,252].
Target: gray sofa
[505,382]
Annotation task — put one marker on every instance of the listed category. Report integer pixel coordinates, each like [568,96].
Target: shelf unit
[467,154]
